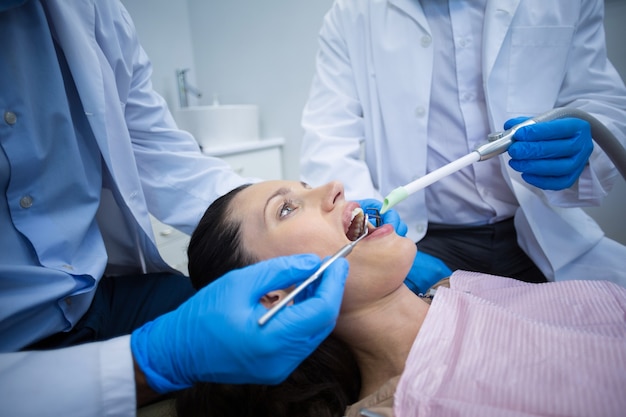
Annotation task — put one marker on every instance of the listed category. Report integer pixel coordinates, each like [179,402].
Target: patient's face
[287,217]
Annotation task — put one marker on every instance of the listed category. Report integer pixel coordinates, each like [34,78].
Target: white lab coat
[371,93]
[153,166]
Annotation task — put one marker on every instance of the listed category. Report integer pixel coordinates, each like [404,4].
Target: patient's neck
[382,334]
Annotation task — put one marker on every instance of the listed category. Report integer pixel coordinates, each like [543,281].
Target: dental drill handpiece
[342,253]
[498,143]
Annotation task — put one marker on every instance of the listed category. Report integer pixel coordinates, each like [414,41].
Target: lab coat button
[426,41]
[26,201]
[10,118]
[420,111]
[420,228]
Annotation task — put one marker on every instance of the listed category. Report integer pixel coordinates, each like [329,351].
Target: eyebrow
[281,192]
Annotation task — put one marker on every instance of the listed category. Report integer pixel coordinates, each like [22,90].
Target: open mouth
[357,226]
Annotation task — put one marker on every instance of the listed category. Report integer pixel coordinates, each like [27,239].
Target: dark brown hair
[322,386]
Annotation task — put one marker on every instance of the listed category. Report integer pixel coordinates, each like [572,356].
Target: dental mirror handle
[342,253]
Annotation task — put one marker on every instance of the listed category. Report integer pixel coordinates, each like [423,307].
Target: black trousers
[122,304]
[490,249]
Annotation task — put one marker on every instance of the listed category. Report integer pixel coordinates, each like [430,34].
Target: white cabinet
[259,158]
[172,245]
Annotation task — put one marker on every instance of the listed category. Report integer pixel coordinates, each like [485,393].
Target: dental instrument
[342,253]
[499,142]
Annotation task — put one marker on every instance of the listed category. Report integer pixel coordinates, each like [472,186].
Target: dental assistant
[87,150]
[418,84]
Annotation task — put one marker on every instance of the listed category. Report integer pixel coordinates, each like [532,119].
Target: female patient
[486,346]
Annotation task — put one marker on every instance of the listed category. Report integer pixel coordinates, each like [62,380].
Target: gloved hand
[214,336]
[426,271]
[390,217]
[551,155]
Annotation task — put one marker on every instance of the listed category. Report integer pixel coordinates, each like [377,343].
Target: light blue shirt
[458,121]
[151,167]
[51,177]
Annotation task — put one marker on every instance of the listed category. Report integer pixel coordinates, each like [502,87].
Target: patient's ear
[273,297]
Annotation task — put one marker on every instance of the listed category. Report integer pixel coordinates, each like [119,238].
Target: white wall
[263,52]
[260,52]
[245,51]
[164,32]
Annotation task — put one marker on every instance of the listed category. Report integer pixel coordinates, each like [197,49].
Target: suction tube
[499,142]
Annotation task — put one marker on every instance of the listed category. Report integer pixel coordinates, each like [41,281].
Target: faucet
[184,88]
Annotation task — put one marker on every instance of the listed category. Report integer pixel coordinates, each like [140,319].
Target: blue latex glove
[551,155]
[426,270]
[390,217]
[214,336]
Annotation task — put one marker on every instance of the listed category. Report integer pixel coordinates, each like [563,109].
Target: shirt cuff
[118,378]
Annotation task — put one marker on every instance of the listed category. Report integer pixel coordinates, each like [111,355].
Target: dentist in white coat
[416,84]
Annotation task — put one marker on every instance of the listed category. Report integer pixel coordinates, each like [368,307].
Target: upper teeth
[356,212]
[355,229]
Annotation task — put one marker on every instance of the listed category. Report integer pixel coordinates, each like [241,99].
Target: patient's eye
[286,209]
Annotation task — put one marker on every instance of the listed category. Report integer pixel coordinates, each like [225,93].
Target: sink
[219,125]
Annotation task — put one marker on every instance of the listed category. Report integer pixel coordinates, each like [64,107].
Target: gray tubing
[600,134]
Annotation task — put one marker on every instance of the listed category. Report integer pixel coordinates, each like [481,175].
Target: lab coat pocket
[537,65]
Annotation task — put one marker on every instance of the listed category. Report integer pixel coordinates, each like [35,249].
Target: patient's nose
[332,193]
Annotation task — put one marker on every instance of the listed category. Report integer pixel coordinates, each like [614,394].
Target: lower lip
[383,230]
